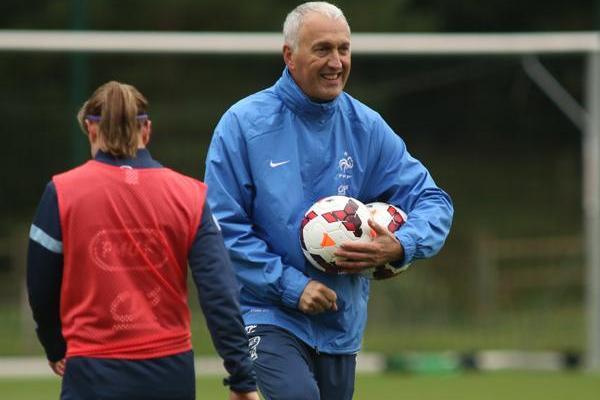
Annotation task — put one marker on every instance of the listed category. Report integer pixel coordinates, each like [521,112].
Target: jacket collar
[294,98]
[142,159]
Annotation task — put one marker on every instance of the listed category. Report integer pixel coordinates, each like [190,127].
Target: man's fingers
[331,298]
[361,247]
[318,306]
[379,229]
[329,294]
[317,298]
[343,256]
[326,301]
[326,298]
[349,258]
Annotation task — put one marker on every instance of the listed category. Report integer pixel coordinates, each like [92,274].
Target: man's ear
[287,57]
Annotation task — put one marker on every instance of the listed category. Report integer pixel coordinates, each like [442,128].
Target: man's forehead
[341,41]
[322,28]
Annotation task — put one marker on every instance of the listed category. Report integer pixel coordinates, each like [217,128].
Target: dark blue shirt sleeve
[218,295]
[44,274]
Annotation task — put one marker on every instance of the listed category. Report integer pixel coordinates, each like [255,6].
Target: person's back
[131,260]
[107,266]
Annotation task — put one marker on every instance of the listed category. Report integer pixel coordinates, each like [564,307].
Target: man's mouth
[332,76]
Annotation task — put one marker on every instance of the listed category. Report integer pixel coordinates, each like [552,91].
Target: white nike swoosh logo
[277,164]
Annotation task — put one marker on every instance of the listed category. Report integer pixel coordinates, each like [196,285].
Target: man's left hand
[354,257]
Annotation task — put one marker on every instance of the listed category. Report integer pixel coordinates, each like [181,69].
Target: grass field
[472,386]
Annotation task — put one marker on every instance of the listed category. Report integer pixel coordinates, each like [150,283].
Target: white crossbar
[271,43]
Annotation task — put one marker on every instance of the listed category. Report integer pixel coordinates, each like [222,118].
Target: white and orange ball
[328,223]
[392,218]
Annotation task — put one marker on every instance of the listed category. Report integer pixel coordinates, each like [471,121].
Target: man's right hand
[317,298]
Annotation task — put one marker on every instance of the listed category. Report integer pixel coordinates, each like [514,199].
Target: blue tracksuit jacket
[273,154]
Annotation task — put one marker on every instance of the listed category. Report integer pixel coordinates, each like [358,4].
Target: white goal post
[270,43]
[519,44]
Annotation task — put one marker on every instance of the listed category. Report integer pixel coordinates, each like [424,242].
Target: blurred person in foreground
[275,153]
[107,267]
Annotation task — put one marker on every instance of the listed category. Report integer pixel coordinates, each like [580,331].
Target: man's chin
[330,93]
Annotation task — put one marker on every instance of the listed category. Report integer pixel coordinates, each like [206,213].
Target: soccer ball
[393,218]
[328,223]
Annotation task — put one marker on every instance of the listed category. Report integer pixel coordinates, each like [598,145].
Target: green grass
[473,386]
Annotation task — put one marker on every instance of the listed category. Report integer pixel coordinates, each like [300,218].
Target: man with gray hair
[275,153]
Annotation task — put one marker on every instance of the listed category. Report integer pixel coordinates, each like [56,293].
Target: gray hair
[295,18]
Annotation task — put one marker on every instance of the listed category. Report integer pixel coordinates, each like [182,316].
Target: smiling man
[317,54]
[275,153]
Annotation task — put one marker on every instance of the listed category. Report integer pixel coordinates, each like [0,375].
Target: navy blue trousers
[165,378]
[288,369]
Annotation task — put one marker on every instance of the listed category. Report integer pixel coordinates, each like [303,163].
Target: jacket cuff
[293,283]
[56,351]
[53,343]
[409,246]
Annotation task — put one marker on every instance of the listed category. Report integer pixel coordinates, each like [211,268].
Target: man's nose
[334,60]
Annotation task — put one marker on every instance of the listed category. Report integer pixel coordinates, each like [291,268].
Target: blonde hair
[120,110]
[295,19]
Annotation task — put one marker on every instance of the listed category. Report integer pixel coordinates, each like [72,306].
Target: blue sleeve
[44,274]
[402,180]
[231,195]
[217,292]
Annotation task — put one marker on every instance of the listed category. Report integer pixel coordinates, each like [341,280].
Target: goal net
[500,120]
